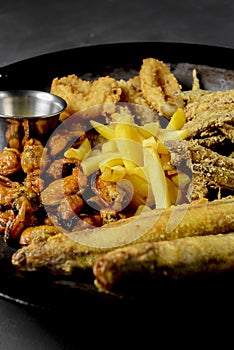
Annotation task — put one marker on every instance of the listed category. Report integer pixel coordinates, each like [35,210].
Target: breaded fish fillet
[206,103]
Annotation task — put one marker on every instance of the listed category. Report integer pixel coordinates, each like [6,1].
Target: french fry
[110,162]
[128,141]
[135,150]
[165,135]
[161,148]
[104,130]
[181,180]
[156,175]
[109,146]
[149,129]
[175,192]
[91,164]
[177,120]
[114,173]
[79,153]
[142,191]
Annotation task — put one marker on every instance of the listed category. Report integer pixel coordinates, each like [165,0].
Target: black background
[31,28]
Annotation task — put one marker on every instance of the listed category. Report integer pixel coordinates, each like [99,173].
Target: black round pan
[215,66]
[121,59]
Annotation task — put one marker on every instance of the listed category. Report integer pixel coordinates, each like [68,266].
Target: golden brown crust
[67,252]
[160,87]
[209,117]
[81,95]
[129,268]
[58,254]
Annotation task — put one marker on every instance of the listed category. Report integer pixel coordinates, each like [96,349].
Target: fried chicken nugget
[81,95]
[160,87]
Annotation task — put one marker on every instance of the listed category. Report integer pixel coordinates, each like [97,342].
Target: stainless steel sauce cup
[28,113]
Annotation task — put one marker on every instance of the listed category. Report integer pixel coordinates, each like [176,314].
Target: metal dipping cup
[28,114]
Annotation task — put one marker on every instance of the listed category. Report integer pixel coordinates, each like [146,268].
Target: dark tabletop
[30,28]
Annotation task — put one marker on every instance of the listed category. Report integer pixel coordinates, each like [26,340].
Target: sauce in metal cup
[26,114]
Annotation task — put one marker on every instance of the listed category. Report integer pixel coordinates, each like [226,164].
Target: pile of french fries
[137,153]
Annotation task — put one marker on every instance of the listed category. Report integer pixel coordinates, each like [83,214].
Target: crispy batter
[64,253]
[209,168]
[209,119]
[136,269]
[58,254]
[206,156]
[132,92]
[228,131]
[199,187]
[206,103]
[204,123]
[81,95]
[212,141]
[160,87]
[216,176]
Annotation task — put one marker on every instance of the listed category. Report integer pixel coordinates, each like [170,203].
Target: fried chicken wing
[8,189]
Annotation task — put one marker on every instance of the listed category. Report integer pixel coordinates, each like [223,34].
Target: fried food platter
[121,61]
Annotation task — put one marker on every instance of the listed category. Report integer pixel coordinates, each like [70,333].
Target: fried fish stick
[80,249]
[58,254]
[144,265]
[197,218]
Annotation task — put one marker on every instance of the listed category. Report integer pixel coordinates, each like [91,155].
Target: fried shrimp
[31,156]
[7,190]
[25,207]
[9,161]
